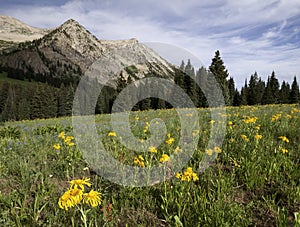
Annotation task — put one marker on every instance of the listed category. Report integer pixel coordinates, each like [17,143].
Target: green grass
[251,183]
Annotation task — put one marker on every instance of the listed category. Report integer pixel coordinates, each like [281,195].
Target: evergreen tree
[201,79]
[252,90]
[294,95]
[244,94]
[3,95]
[231,89]
[271,93]
[218,69]
[10,108]
[189,69]
[182,66]
[23,109]
[284,92]
[236,98]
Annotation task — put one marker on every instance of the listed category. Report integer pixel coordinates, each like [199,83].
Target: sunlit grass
[253,181]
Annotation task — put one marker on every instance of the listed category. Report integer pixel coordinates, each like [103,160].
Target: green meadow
[253,181]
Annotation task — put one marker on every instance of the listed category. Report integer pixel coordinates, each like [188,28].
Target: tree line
[31,100]
[254,92]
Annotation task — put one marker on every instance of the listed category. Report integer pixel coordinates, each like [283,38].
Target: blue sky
[252,35]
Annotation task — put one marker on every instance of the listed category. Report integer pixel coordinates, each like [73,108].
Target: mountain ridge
[14,30]
[70,49]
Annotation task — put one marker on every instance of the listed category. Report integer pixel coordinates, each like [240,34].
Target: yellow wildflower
[195,133]
[112,134]
[217,150]
[56,146]
[164,158]
[61,135]
[80,183]
[178,175]
[170,141]
[152,149]
[276,117]
[68,139]
[70,198]
[244,137]
[283,150]
[70,144]
[284,138]
[93,198]
[209,152]
[188,175]
[236,164]
[139,161]
[250,120]
[177,149]
[258,136]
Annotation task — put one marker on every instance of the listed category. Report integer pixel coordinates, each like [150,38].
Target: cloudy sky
[252,35]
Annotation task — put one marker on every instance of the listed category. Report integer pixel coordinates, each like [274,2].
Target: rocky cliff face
[70,49]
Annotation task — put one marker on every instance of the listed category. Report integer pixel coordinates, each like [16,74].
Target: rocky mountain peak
[70,49]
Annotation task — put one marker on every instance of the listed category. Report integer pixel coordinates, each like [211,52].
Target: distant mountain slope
[13,30]
[67,52]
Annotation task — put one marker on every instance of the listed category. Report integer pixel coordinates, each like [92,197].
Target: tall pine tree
[218,69]
[294,95]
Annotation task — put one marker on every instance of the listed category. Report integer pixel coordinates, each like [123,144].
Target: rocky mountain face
[69,50]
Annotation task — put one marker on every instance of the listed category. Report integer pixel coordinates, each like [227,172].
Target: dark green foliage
[271,93]
[244,94]
[10,132]
[51,130]
[65,100]
[231,90]
[284,93]
[294,95]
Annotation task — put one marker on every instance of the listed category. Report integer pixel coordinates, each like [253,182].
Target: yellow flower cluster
[258,136]
[164,158]
[170,139]
[284,138]
[146,127]
[216,149]
[139,161]
[230,124]
[284,150]
[245,138]
[248,120]
[56,146]
[187,175]
[152,149]
[112,134]
[68,140]
[75,195]
[275,117]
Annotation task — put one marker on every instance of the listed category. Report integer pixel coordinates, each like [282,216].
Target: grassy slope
[252,182]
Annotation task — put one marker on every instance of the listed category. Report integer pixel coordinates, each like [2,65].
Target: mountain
[14,31]
[66,52]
